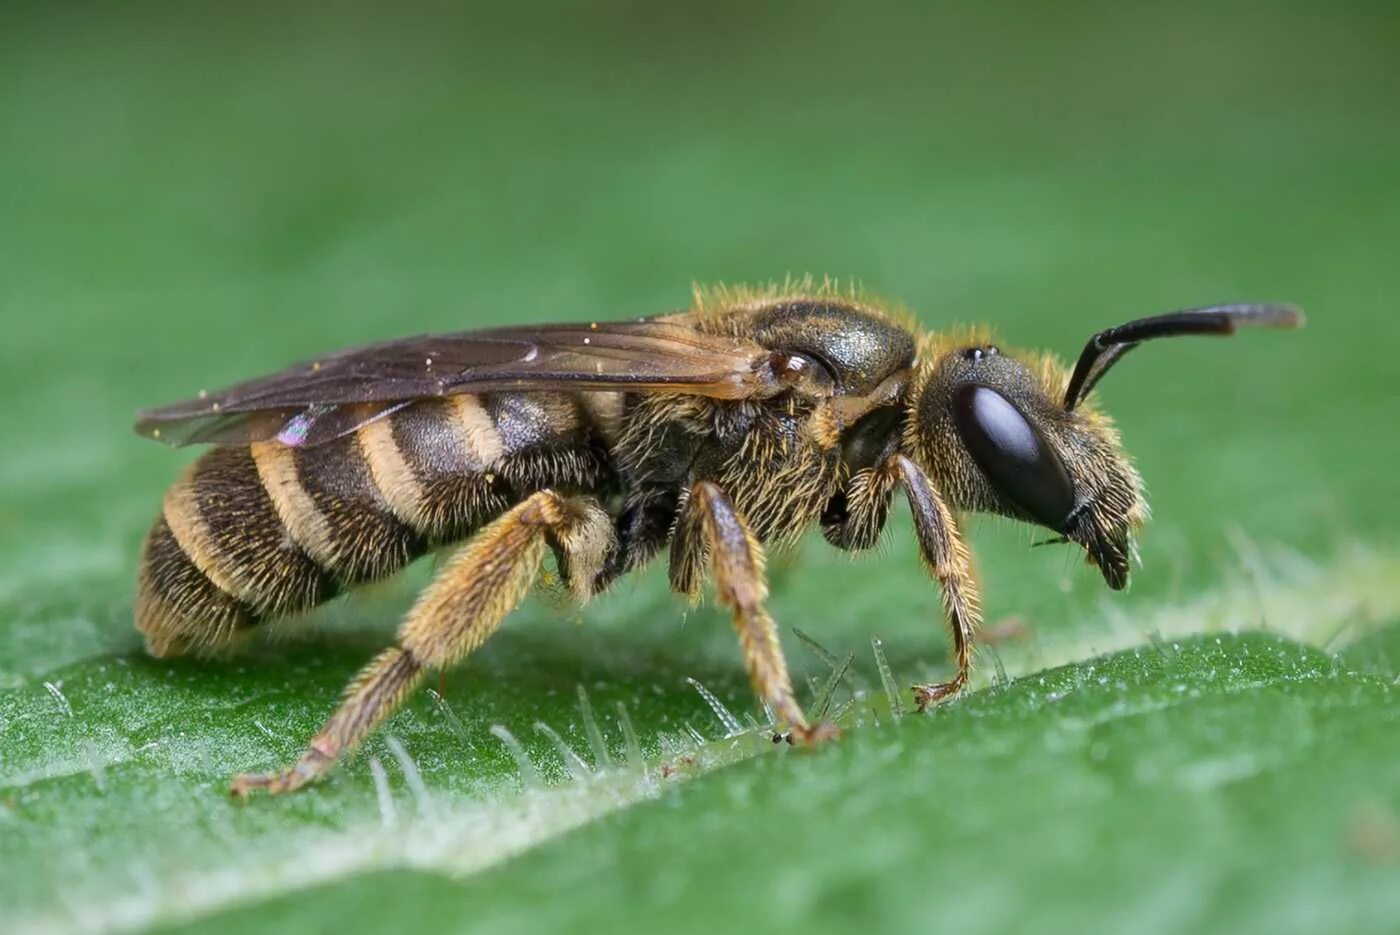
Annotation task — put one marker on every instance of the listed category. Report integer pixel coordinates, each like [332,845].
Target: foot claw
[271,783]
[811,736]
[310,767]
[925,695]
[241,786]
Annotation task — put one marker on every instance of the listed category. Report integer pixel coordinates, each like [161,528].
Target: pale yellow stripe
[308,528]
[561,410]
[196,540]
[605,411]
[397,483]
[482,437]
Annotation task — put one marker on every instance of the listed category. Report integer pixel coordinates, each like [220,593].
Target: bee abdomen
[178,608]
[436,464]
[446,466]
[327,499]
[270,530]
[219,559]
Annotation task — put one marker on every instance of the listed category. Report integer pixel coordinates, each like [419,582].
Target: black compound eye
[1013,455]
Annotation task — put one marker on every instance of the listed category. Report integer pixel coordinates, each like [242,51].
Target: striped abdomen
[259,532]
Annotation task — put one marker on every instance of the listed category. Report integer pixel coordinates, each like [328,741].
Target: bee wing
[316,401]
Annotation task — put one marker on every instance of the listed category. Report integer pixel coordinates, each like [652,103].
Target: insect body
[707,433]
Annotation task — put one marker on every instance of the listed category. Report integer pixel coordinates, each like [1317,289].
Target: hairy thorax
[779,460]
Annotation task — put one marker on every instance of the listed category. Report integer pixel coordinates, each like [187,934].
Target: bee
[710,433]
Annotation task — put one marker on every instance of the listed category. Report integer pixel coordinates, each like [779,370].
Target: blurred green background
[193,194]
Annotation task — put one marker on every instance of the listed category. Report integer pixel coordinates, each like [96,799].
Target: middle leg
[710,527]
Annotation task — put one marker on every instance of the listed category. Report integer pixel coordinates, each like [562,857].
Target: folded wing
[319,400]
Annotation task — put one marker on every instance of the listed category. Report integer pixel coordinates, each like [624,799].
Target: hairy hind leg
[463,606]
[711,527]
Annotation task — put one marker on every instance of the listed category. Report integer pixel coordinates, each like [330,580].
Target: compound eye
[1013,455]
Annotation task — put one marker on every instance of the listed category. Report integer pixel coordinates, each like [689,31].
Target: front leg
[947,559]
[854,521]
[710,527]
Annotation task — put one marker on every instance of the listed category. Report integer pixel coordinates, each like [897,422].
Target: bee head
[1013,435]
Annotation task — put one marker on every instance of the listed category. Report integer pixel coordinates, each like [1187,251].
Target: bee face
[990,428]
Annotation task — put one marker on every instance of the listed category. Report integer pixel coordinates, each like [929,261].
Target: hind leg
[463,606]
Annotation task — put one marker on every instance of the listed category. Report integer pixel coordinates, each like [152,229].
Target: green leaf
[189,200]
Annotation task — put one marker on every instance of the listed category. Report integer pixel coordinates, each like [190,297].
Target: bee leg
[709,526]
[463,606]
[947,559]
